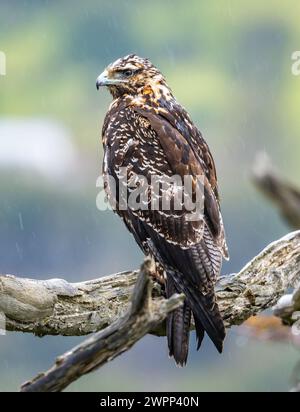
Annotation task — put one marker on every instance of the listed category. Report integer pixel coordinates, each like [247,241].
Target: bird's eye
[128,72]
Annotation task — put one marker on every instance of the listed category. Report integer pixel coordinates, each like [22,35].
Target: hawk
[150,134]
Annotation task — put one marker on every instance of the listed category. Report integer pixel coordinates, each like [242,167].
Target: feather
[178,327]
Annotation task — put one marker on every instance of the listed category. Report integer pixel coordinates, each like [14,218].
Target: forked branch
[143,315]
[58,307]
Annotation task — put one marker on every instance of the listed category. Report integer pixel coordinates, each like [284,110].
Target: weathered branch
[58,307]
[143,315]
[283,194]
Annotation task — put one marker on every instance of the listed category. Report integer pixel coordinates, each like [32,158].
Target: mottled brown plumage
[150,133]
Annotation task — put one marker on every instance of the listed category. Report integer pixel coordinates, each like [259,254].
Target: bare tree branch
[283,194]
[143,315]
[56,307]
[257,286]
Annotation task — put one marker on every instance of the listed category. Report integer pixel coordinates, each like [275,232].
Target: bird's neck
[152,94]
[155,93]
[156,89]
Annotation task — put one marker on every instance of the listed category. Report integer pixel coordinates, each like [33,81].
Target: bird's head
[128,75]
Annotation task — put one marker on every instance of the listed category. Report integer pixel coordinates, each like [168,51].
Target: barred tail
[208,318]
[178,328]
[205,311]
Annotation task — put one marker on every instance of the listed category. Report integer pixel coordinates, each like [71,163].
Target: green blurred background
[229,63]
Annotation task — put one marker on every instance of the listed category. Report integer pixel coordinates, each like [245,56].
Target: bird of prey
[149,133]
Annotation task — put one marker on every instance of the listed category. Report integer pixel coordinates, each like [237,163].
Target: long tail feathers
[178,329]
[206,316]
[199,331]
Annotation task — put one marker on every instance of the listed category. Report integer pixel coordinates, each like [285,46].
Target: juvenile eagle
[147,131]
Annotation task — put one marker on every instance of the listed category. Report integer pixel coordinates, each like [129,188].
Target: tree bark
[127,313]
[56,307]
[143,315]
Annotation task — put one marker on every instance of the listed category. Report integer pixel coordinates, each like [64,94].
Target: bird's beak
[103,80]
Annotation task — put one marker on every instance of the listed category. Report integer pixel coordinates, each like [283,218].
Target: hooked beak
[102,80]
[105,80]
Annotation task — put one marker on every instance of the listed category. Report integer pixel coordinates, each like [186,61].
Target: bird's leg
[157,274]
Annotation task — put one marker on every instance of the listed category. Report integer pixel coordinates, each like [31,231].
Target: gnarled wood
[56,307]
[143,315]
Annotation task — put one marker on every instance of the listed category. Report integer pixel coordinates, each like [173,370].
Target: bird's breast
[132,143]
